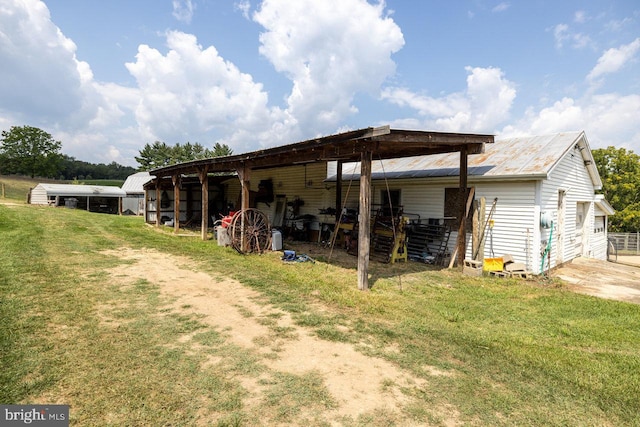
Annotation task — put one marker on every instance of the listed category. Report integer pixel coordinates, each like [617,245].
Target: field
[131,325]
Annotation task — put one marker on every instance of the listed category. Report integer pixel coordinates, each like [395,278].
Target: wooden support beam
[364,221]
[338,193]
[244,174]
[158,202]
[462,228]
[176,202]
[204,180]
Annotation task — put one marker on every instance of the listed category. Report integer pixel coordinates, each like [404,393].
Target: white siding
[570,175]
[514,220]
[39,195]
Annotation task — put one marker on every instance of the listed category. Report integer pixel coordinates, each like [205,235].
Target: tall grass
[501,352]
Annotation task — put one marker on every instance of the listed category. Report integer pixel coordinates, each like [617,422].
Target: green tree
[27,150]
[220,150]
[159,154]
[620,172]
[154,156]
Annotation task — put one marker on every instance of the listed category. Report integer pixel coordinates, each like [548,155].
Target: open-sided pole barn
[362,146]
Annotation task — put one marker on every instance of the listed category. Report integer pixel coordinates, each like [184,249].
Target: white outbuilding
[94,198]
[133,202]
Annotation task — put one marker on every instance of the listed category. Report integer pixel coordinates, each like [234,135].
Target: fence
[625,243]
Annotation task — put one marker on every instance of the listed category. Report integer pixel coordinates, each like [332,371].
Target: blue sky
[108,77]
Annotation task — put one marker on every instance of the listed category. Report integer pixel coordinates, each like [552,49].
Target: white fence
[625,243]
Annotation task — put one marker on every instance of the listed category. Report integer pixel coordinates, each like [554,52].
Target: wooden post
[176,203]
[475,232]
[204,180]
[338,193]
[364,220]
[462,228]
[482,224]
[244,174]
[158,202]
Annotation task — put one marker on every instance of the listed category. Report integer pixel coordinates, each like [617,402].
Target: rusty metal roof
[532,157]
[383,142]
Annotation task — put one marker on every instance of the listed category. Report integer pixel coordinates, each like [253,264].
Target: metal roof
[71,190]
[383,142]
[134,184]
[532,157]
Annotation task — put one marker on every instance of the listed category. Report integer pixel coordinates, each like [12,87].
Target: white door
[559,227]
[580,237]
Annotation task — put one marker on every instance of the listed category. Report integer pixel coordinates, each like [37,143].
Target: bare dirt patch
[358,384]
[602,279]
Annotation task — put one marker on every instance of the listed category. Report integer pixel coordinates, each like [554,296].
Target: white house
[94,198]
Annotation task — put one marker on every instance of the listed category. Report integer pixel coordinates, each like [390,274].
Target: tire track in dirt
[358,383]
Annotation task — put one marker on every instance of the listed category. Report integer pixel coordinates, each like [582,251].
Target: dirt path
[359,384]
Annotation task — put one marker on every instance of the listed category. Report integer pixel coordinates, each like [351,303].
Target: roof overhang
[603,204]
[383,142]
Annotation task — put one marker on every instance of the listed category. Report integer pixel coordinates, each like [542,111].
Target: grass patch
[514,352]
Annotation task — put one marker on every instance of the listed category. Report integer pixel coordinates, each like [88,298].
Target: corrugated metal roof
[522,157]
[70,190]
[134,184]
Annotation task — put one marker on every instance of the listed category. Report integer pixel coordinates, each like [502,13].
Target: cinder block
[499,274]
[507,259]
[515,266]
[472,263]
[520,274]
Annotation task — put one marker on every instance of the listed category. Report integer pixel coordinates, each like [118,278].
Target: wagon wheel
[254,226]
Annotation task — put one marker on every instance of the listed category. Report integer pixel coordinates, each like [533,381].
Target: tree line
[30,151]
[27,150]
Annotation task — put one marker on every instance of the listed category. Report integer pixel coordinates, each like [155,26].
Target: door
[559,228]
[581,220]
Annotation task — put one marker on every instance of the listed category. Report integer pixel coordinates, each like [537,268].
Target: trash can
[276,240]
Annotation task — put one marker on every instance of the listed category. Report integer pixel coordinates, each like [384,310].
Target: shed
[133,202]
[361,145]
[94,198]
[545,188]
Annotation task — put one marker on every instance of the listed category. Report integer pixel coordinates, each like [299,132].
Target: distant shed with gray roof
[94,198]
[133,202]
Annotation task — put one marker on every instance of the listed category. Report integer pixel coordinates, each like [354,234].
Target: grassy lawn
[512,352]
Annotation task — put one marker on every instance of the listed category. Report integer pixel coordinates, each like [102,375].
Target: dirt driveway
[619,281]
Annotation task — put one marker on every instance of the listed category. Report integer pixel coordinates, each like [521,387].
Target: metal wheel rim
[254,226]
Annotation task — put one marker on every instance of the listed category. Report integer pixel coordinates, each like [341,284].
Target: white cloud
[501,7]
[192,91]
[614,59]
[243,6]
[39,73]
[330,50]
[43,84]
[607,119]
[484,104]
[183,10]
[563,34]
[580,17]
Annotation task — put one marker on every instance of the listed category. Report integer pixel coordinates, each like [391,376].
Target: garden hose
[547,250]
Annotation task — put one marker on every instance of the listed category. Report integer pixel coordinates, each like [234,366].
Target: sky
[107,77]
